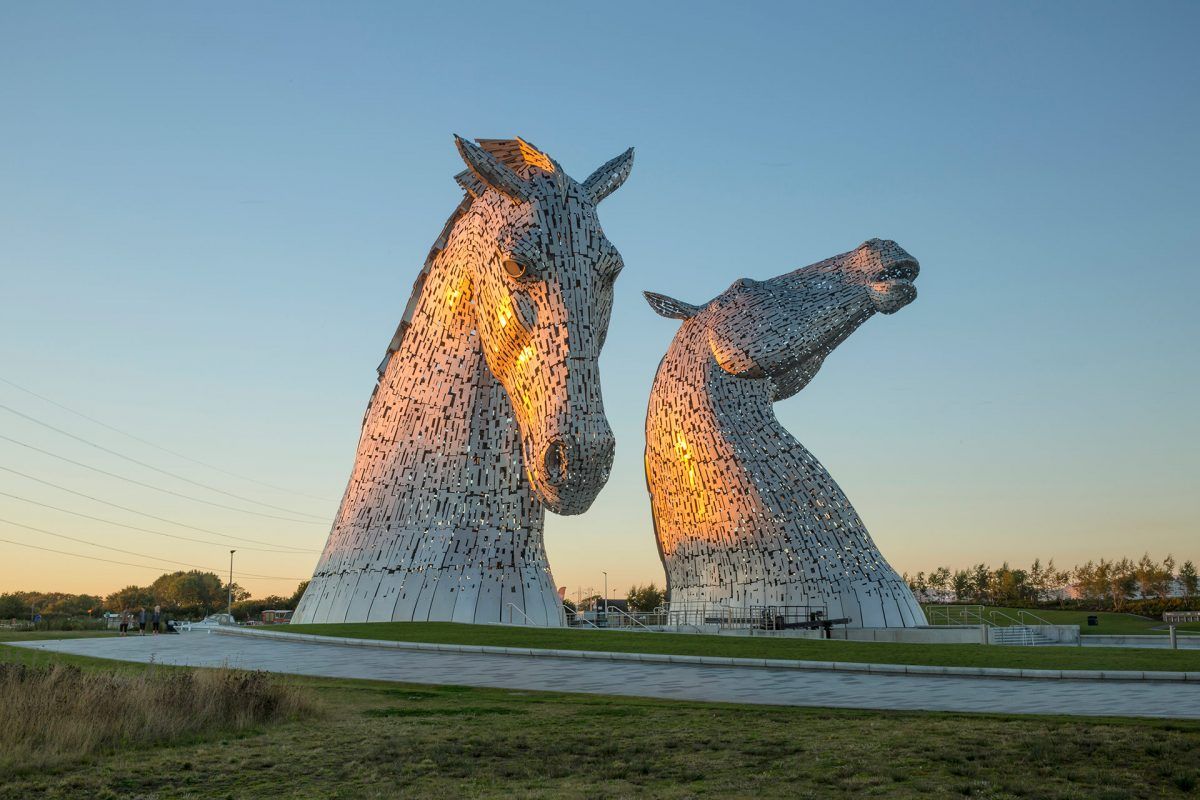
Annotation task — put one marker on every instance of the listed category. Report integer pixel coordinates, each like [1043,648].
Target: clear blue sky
[212,215]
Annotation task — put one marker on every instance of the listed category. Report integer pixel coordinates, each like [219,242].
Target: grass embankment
[958,655]
[380,740]
[57,713]
[1110,622]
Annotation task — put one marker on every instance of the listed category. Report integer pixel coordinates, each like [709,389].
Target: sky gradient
[212,216]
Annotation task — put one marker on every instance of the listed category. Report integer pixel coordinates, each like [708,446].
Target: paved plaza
[668,681]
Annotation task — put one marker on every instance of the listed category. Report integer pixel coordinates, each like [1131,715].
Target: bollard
[1174,641]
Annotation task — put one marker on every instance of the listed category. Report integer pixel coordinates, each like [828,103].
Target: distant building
[277,617]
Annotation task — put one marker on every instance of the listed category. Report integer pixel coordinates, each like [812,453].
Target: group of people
[140,615]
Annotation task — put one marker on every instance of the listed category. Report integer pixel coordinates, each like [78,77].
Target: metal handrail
[625,614]
[511,607]
[579,617]
[1011,619]
[964,613]
[1041,621]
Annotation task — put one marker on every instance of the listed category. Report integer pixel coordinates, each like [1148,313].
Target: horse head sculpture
[487,410]
[541,284]
[744,515]
[783,328]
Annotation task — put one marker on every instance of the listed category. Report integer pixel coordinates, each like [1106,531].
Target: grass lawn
[963,655]
[1110,622]
[379,740]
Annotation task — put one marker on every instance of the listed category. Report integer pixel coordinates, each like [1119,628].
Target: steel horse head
[542,287]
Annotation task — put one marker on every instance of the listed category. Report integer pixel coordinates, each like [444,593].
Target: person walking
[156,619]
[141,620]
[125,617]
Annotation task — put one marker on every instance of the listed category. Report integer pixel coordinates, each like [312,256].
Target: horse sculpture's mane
[516,154]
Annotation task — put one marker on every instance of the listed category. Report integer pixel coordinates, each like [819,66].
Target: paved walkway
[671,681]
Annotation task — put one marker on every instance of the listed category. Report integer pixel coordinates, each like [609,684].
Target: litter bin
[1093,620]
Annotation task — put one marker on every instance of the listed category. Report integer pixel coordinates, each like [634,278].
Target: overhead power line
[151,530]
[159,470]
[109,560]
[167,450]
[143,513]
[158,488]
[139,555]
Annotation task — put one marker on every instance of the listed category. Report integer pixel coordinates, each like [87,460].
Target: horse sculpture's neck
[439,520]
[744,514]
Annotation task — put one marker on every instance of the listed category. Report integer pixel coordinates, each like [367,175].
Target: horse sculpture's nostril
[555,460]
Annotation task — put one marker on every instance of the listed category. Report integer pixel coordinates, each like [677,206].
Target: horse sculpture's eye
[514,268]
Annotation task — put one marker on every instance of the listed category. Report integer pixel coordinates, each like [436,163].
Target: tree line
[190,593]
[1116,585]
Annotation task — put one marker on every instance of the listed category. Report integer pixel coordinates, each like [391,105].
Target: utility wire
[143,513]
[149,443]
[133,553]
[106,560]
[149,530]
[158,488]
[168,473]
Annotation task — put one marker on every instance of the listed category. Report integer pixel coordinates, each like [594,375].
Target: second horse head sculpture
[743,514]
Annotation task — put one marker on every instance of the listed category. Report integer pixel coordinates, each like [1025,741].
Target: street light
[605,601]
[229,609]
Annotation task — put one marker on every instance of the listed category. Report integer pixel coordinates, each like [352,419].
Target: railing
[956,615]
[575,617]
[778,618]
[1006,635]
[513,607]
[1022,613]
[1012,621]
[623,616]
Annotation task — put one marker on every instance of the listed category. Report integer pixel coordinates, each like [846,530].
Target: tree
[1152,580]
[961,582]
[980,582]
[128,598]
[1189,578]
[13,606]
[1089,582]
[644,598]
[1010,586]
[191,592]
[920,586]
[294,600]
[939,582]
[73,605]
[591,601]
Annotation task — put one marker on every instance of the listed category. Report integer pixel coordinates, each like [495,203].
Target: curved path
[677,681]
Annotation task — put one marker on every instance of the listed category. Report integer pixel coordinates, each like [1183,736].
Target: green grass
[382,740]
[1110,622]
[961,655]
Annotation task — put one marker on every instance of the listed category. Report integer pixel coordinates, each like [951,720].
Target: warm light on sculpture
[488,406]
[743,514]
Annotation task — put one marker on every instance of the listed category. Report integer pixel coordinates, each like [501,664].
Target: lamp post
[605,601]
[229,609]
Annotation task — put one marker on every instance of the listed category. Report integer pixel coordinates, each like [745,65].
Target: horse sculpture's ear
[491,171]
[606,180]
[670,307]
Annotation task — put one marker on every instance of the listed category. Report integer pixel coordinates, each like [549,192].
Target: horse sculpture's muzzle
[893,288]
[574,468]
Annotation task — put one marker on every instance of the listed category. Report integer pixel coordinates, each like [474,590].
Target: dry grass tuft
[60,713]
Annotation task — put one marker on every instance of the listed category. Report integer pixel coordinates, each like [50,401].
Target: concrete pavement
[660,680]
